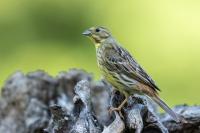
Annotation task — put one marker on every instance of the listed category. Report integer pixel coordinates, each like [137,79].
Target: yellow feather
[97,45]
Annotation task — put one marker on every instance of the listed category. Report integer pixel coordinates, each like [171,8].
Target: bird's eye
[97,30]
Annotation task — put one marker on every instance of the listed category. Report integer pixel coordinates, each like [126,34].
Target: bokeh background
[164,36]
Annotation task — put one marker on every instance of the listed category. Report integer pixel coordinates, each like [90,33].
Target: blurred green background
[163,35]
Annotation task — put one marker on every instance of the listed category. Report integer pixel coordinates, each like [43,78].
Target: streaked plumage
[116,63]
[121,70]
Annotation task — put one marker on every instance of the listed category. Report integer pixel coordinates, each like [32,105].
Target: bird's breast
[118,80]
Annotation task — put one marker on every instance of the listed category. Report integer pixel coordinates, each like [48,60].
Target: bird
[122,71]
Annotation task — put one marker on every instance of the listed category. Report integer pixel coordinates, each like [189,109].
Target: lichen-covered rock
[73,103]
[86,121]
[190,113]
[24,102]
[59,122]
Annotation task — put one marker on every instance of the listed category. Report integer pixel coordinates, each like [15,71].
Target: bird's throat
[97,45]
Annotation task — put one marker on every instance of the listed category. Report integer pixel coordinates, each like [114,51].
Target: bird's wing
[119,60]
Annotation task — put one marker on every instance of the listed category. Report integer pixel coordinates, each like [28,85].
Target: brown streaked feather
[121,61]
[147,90]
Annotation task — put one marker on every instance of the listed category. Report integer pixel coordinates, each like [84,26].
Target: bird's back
[119,68]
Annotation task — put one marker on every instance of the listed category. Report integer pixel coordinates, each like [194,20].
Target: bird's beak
[87,33]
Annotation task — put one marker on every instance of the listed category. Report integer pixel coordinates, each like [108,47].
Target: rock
[73,103]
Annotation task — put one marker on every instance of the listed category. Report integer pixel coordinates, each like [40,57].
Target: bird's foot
[111,109]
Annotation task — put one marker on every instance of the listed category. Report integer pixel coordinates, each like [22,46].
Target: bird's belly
[120,85]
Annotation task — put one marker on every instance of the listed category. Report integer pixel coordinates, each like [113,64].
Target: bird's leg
[119,108]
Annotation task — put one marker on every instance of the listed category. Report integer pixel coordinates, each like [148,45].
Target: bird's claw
[111,109]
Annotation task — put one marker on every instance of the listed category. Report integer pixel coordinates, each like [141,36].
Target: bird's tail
[165,107]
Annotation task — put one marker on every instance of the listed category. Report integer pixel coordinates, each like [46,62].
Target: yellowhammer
[122,71]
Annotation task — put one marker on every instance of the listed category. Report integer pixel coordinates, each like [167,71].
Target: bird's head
[97,34]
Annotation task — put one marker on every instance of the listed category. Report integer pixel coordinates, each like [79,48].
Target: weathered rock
[73,103]
[117,126]
[86,121]
[59,122]
[24,102]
